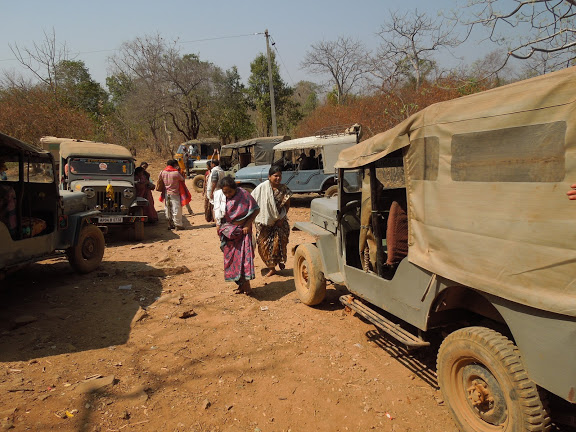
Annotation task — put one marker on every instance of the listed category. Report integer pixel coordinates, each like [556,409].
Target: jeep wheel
[331,191]
[198,183]
[308,276]
[87,255]
[139,226]
[485,384]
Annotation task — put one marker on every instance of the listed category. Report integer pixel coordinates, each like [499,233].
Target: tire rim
[304,275]
[88,248]
[479,396]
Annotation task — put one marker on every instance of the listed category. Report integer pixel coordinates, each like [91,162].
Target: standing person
[174,193]
[237,211]
[207,206]
[144,189]
[572,193]
[272,228]
[216,175]
[187,192]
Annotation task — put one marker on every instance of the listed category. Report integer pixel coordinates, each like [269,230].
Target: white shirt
[219,206]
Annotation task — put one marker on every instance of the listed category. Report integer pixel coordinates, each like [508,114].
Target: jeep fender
[69,234]
[329,181]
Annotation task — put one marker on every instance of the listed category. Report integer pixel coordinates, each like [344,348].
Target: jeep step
[383,323]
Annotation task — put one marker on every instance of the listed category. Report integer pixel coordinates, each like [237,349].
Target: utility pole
[272,102]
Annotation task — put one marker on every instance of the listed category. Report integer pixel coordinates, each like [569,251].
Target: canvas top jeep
[105,173]
[307,163]
[35,219]
[460,229]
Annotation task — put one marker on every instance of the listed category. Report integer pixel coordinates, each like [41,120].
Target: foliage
[380,112]
[77,88]
[228,116]
[259,92]
[32,113]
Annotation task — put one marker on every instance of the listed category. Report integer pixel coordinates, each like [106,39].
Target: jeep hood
[253,172]
[77,185]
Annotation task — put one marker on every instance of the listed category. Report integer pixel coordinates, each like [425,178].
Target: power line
[179,43]
[282,61]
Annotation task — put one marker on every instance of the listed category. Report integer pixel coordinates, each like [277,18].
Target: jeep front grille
[106,205]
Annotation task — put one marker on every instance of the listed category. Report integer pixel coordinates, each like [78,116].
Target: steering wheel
[347,209]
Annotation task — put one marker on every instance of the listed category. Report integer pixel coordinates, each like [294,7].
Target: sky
[225,32]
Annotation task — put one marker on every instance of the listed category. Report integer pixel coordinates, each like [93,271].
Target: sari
[237,246]
[272,236]
[143,190]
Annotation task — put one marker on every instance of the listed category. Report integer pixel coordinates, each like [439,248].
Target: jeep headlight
[128,193]
[90,192]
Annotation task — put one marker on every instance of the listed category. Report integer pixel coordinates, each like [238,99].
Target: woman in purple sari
[235,231]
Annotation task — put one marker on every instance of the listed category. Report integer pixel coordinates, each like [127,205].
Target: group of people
[236,211]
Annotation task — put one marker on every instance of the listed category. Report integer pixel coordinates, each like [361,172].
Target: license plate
[110,219]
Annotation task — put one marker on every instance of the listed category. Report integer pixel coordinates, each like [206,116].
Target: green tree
[229,116]
[77,88]
[258,88]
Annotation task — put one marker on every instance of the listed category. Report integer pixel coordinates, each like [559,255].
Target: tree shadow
[49,309]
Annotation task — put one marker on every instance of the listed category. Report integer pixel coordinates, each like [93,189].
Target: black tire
[485,384]
[308,276]
[138,226]
[87,255]
[198,183]
[331,191]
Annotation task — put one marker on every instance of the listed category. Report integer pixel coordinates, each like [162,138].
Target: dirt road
[155,340]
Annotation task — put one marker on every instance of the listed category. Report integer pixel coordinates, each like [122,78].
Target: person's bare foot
[272,272]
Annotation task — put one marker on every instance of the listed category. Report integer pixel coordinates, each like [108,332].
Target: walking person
[271,224]
[236,214]
[174,194]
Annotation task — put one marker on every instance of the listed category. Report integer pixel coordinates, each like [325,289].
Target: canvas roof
[259,140]
[313,142]
[93,149]
[486,181]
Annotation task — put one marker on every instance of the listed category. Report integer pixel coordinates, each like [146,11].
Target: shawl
[238,208]
[185,195]
[264,196]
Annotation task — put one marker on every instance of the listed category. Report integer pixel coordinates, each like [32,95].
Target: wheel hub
[484,394]
[88,248]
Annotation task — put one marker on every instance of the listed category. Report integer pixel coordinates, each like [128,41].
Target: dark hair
[227,181]
[144,163]
[215,162]
[172,163]
[138,170]
[312,152]
[274,169]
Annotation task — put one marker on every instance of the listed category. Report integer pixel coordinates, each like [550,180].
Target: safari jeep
[461,229]
[35,220]
[307,163]
[105,173]
[250,152]
[193,155]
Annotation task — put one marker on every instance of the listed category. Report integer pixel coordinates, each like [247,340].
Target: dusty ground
[155,340]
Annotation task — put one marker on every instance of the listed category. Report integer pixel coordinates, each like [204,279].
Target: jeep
[307,163]
[455,226]
[38,221]
[105,173]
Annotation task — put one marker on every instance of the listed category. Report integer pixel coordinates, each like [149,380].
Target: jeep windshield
[80,166]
